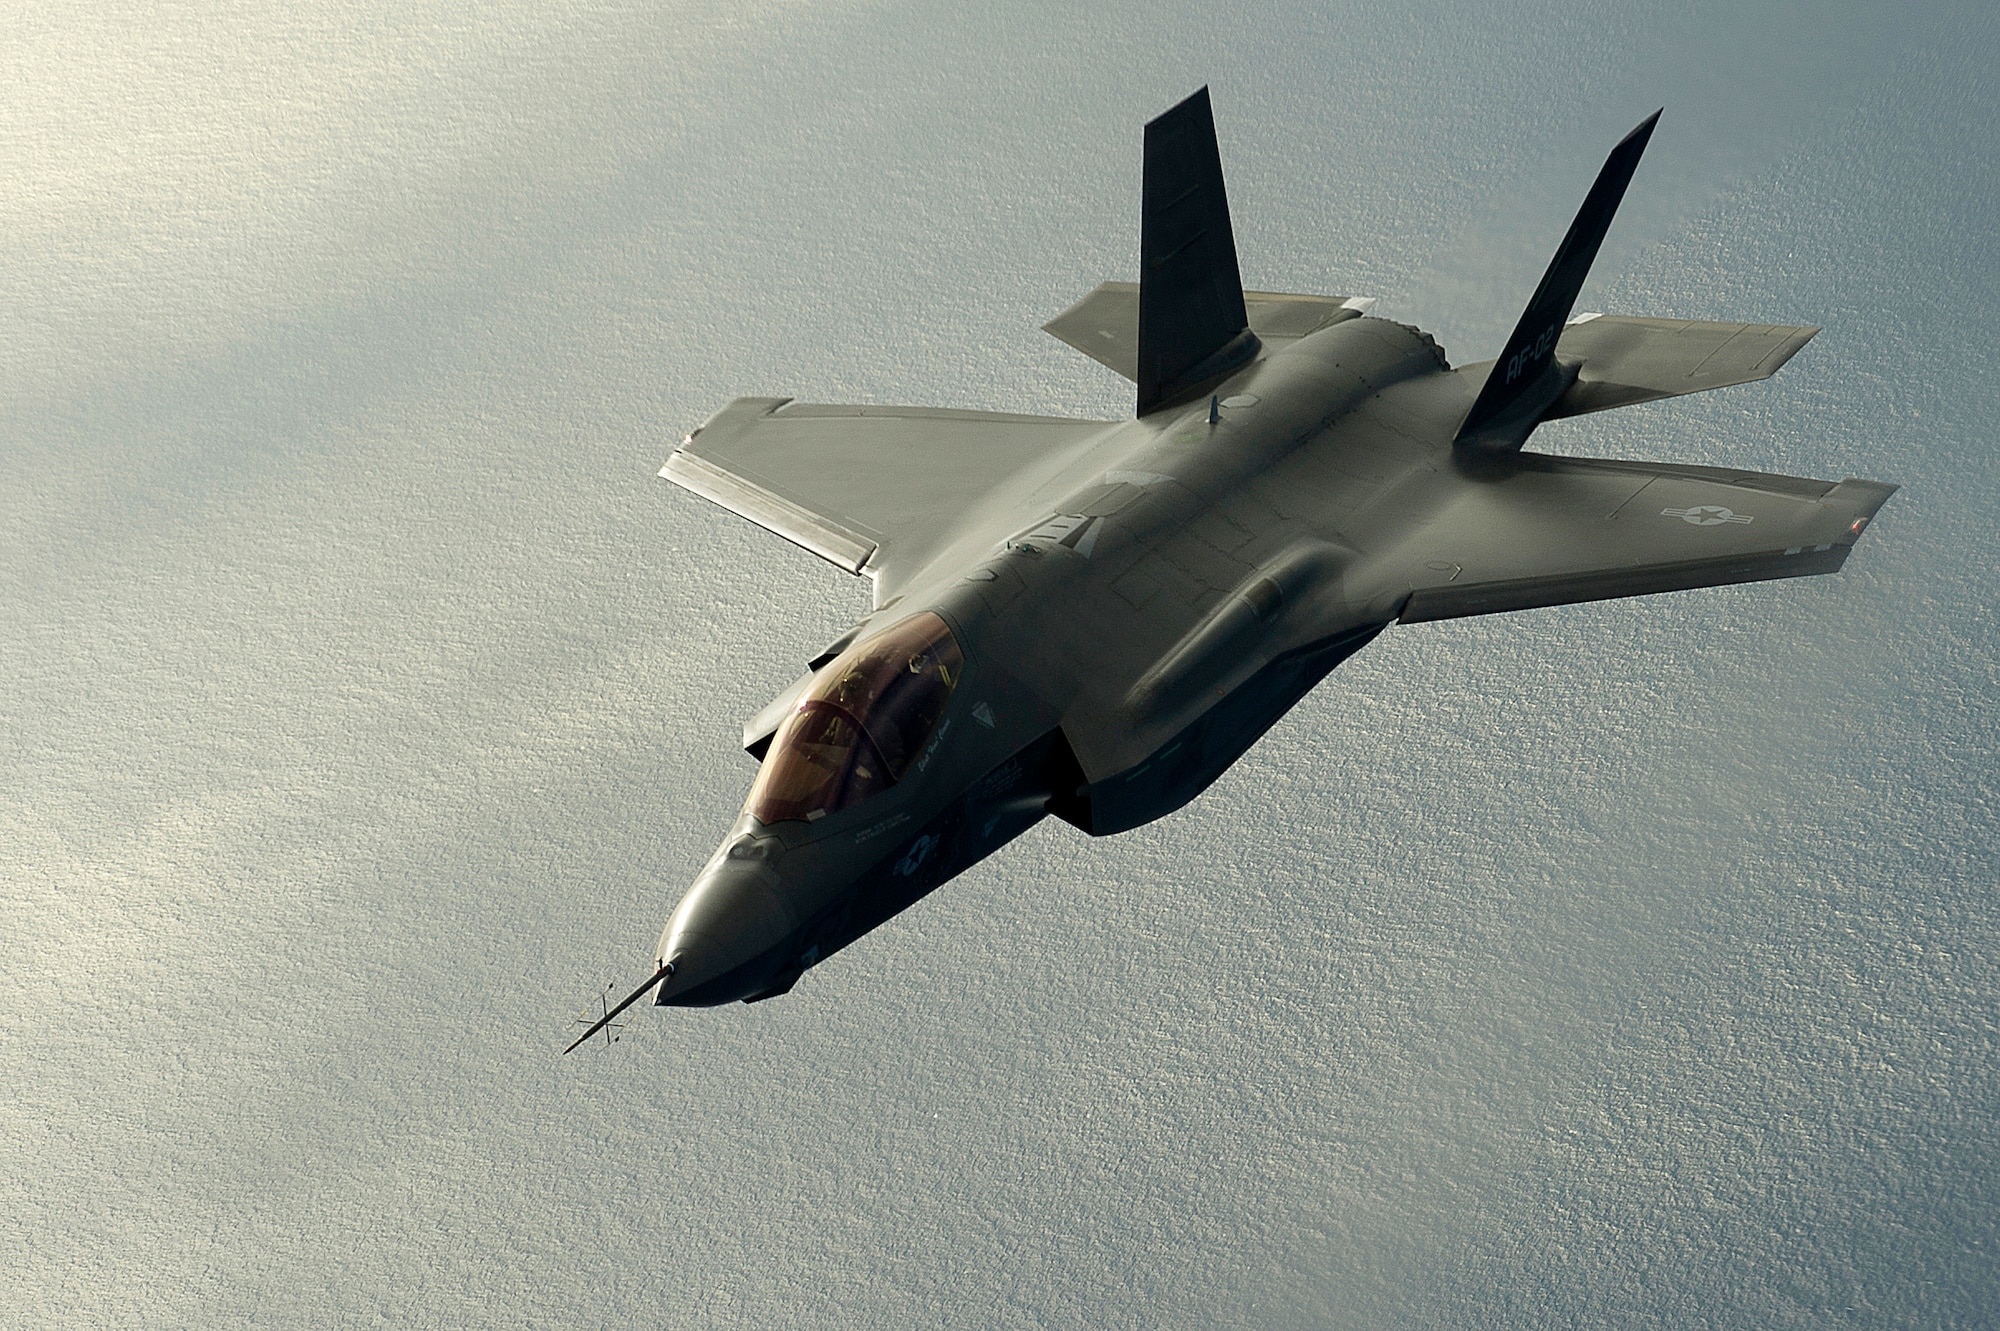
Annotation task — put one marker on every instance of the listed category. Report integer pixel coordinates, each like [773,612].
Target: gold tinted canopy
[862,724]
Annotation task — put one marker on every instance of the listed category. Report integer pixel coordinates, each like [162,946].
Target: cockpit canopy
[861,725]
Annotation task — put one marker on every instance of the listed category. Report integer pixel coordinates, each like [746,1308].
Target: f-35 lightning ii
[1094,619]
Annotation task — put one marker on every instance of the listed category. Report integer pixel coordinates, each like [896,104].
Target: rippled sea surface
[365,702]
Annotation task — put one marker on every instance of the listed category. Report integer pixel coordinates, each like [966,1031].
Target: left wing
[1533,530]
[875,490]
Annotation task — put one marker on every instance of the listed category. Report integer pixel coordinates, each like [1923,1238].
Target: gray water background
[365,702]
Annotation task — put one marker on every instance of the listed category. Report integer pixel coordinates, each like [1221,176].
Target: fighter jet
[1095,619]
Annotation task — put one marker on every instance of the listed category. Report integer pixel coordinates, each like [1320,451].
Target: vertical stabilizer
[1526,380]
[1192,326]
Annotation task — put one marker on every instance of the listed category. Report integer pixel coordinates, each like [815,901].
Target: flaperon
[1094,619]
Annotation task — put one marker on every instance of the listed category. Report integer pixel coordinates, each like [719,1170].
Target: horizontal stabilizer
[1625,360]
[1104,325]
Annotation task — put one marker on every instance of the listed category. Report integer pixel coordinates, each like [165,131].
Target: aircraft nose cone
[723,936]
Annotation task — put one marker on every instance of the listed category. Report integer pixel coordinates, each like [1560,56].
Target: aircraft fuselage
[1118,657]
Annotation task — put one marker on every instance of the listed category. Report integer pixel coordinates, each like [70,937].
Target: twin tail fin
[1527,380]
[1193,329]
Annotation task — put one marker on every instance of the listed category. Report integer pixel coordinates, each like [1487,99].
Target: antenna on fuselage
[603,1023]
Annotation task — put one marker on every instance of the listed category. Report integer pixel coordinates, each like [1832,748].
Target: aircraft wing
[875,490]
[1533,530]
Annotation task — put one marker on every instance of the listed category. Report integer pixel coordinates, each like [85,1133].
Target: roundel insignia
[1705,515]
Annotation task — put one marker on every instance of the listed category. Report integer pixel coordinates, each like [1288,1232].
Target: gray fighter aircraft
[1094,619]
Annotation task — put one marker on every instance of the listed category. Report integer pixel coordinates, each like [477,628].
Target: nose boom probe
[665,971]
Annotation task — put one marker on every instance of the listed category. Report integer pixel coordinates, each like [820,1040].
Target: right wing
[1534,530]
[875,490]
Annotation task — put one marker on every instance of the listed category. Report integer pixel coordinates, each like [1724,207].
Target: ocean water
[367,702]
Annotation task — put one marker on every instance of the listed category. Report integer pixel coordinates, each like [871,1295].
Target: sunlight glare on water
[369,702]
